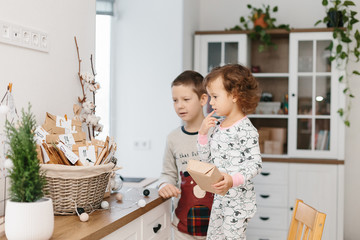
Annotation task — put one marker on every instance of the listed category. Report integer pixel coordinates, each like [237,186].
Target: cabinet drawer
[270,218]
[258,234]
[131,231]
[273,173]
[271,196]
[156,223]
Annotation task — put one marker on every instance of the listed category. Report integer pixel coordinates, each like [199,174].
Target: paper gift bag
[59,125]
[70,139]
[204,174]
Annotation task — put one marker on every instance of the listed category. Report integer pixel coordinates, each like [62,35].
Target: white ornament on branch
[88,107]
[88,77]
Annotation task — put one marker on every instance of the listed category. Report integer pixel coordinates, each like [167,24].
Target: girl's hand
[169,191]
[207,123]
[224,185]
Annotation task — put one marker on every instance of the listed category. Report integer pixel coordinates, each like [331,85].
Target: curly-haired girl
[232,145]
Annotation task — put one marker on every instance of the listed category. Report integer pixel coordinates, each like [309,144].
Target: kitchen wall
[48,80]
[151,45]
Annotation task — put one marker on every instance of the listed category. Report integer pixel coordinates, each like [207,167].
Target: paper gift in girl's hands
[204,174]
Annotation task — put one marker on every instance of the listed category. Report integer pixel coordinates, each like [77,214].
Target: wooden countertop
[103,222]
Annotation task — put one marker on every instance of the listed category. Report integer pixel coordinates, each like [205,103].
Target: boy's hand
[224,185]
[169,191]
[207,123]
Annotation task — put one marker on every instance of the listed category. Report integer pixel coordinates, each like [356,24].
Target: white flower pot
[29,220]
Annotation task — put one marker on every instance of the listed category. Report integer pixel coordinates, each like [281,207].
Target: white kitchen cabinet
[271,221]
[315,95]
[280,184]
[300,89]
[304,156]
[319,185]
[131,231]
[212,50]
[153,225]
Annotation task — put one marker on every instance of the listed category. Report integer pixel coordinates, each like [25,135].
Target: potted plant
[261,21]
[346,45]
[27,214]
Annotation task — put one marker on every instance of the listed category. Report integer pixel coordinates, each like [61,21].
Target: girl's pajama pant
[228,220]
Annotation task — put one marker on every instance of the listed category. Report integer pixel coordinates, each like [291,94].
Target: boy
[194,205]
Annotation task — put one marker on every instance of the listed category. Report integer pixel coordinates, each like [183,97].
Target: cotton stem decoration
[85,111]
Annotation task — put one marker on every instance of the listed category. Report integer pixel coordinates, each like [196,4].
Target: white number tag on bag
[40,135]
[67,139]
[87,155]
[73,158]
[62,122]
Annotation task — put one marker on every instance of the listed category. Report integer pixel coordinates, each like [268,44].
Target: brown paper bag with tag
[204,174]
[50,125]
[79,137]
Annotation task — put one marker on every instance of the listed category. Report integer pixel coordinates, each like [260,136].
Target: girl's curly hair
[238,81]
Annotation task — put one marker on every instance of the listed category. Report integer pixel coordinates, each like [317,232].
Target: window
[102,66]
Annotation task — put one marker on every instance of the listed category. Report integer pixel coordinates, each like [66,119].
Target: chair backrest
[306,223]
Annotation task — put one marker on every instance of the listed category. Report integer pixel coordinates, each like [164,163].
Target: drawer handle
[264,239]
[157,228]
[265,173]
[264,196]
[264,218]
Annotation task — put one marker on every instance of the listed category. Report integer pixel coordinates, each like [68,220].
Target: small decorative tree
[27,180]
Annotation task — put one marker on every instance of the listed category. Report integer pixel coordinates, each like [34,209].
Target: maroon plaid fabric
[198,220]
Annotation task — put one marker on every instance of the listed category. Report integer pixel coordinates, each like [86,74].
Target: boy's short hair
[238,81]
[191,78]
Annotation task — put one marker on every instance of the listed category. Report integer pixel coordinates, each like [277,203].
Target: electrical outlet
[43,41]
[22,36]
[16,35]
[140,145]
[5,31]
[35,39]
[26,37]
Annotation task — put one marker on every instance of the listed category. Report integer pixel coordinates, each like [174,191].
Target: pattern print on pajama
[233,150]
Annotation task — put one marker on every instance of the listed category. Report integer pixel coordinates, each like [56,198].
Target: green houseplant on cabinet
[262,21]
[346,44]
[27,215]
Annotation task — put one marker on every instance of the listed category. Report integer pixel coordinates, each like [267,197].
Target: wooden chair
[306,223]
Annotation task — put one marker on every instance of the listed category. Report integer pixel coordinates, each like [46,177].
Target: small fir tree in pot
[27,209]
[27,180]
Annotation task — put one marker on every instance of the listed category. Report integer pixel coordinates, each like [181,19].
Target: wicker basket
[76,186]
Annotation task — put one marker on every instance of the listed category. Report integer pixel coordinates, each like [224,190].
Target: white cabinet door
[315,95]
[156,223]
[153,225]
[316,185]
[212,50]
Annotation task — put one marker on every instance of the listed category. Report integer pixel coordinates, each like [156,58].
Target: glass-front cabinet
[212,50]
[300,94]
[314,97]
[301,135]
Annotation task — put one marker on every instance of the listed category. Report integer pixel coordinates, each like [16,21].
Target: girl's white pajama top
[233,150]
